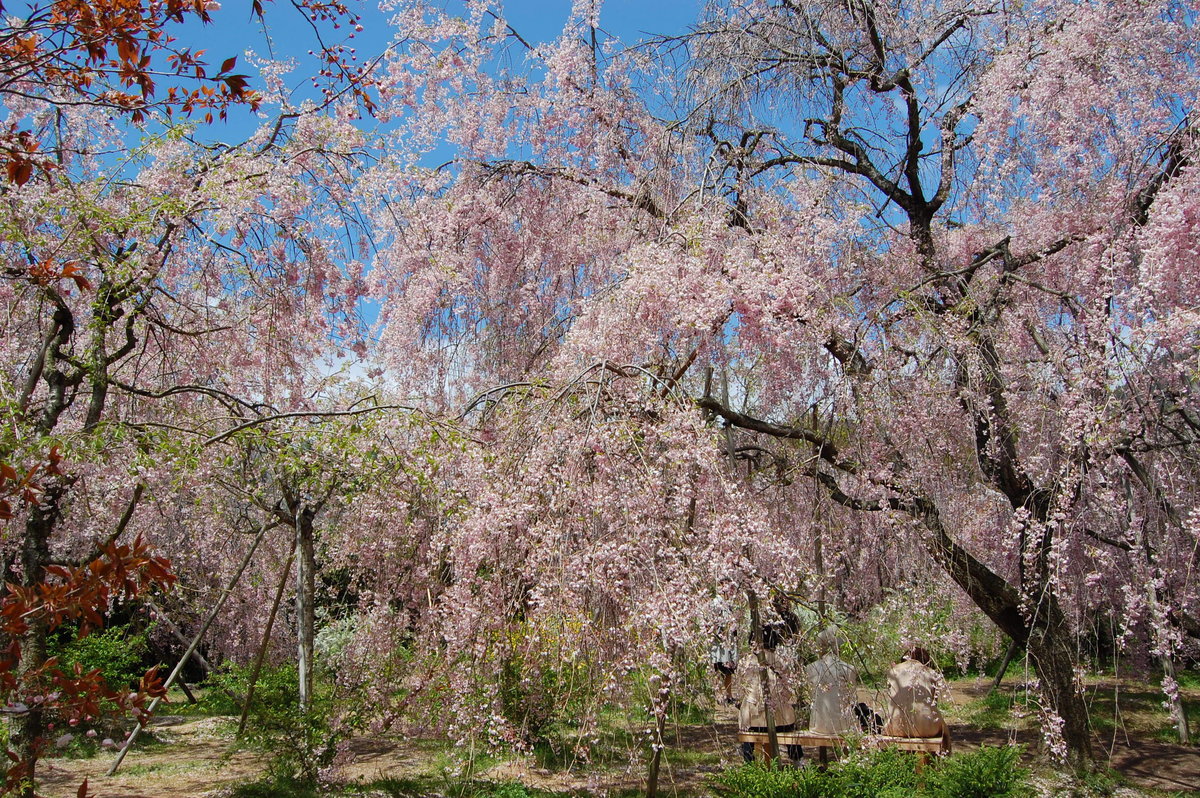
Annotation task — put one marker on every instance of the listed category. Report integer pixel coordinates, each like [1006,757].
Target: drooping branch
[318,414]
[822,446]
[998,599]
[640,200]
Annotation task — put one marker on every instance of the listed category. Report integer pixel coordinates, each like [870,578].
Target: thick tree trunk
[1054,661]
[1177,708]
[27,728]
[25,737]
[1045,633]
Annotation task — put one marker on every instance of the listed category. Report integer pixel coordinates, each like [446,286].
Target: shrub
[755,780]
[117,652]
[877,774]
[222,688]
[300,744]
[988,772]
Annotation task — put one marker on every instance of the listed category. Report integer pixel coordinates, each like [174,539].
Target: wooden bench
[923,745]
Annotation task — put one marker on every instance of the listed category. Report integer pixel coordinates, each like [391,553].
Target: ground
[196,758]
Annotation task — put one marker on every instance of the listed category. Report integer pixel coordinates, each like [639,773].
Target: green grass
[1139,711]
[416,787]
[994,711]
[394,787]
[160,768]
[274,789]
[1169,734]
[987,772]
[1189,679]
[679,757]
[210,702]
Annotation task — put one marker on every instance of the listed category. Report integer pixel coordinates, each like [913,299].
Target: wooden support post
[266,640]
[212,614]
[1009,653]
[160,615]
[183,686]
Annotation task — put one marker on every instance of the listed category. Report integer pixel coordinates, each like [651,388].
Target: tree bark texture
[305,609]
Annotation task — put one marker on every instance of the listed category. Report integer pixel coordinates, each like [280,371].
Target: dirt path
[1146,763]
[195,761]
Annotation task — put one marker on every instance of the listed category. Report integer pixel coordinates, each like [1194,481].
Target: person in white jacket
[831,683]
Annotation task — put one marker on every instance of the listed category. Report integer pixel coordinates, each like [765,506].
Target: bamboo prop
[212,614]
[1009,653]
[262,649]
[178,635]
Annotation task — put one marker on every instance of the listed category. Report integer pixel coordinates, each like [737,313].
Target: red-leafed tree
[35,685]
[122,286]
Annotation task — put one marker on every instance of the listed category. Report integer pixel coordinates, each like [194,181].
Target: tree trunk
[1177,708]
[25,737]
[1045,633]
[656,759]
[305,610]
[1055,664]
[27,728]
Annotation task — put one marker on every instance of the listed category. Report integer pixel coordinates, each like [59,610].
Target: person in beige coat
[752,713]
[913,689]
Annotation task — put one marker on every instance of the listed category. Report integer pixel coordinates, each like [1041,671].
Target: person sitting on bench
[831,682]
[913,688]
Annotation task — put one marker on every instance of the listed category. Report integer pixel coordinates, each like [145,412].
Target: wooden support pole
[266,640]
[212,614]
[178,635]
[1004,663]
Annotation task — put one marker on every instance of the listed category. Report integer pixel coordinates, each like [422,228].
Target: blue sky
[234,30]
[627,19]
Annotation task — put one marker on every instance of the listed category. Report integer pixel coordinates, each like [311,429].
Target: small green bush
[117,652]
[987,772]
[755,780]
[878,774]
[222,689]
[299,744]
